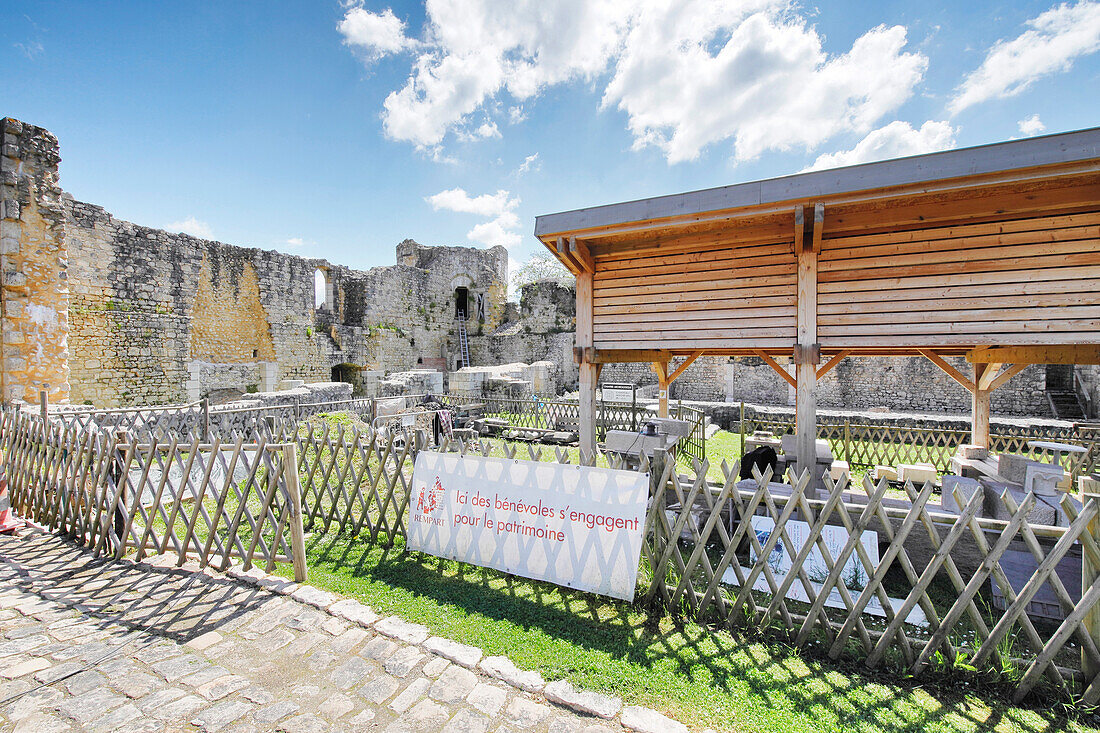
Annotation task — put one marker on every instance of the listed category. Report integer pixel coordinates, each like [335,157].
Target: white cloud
[688,73]
[191,226]
[484,130]
[530,164]
[1031,126]
[298,243]
[30,49]
[374,35]
[896,140]
[498,209]
[699,73]
[1053,40]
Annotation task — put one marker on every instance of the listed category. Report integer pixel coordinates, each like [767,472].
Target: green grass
[703,677]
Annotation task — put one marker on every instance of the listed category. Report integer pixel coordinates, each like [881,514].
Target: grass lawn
[701,677]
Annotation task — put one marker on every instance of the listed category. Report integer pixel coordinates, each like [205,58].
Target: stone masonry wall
[34,293]
[131,315]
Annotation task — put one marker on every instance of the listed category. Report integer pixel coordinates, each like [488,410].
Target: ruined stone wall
[163,317]
[541,329]
[132,315]
[34,322]
[901,383]
[153,311]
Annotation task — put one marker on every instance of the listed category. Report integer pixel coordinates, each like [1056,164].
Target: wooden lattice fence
[867,445]
[217,503]
[898,583]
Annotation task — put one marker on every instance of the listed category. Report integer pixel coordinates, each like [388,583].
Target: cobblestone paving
[100,645]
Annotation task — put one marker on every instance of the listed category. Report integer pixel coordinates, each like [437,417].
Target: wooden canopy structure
[990,252]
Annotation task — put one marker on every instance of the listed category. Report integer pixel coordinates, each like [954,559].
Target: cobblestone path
[97,645]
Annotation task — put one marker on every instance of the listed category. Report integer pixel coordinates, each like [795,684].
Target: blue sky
[336,130]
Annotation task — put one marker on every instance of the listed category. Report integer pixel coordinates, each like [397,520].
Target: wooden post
[662,386]
[742,428]
[979,409]
[206,419]
[297,531]
[806,350]
[44,405]
[1089,571]
[588,376]
[847,443]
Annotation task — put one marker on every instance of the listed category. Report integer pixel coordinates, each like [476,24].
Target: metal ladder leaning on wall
[463,344]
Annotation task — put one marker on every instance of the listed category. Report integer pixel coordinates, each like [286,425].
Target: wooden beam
[819,225]
[579,253]
[778,369]
[828,366]
[1054,354]
[626,356]
[1006,375]
[561,251]
[988,376]
[949,370]
[687,362]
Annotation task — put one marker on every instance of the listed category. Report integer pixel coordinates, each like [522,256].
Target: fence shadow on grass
[752,671]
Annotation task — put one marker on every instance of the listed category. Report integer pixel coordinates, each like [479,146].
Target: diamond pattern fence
[892,583]
[218,503]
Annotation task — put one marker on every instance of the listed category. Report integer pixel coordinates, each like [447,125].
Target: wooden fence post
[847,443]
[297,531]
[44,405]
[1089,571]
[206,419]
[742,427]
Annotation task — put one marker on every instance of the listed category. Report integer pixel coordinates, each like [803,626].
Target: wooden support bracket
[950,370]
[686,363]
[778,369]
[1006,375]
[578,252]
[988,375]
[819,225]
[562,252]
[828,366]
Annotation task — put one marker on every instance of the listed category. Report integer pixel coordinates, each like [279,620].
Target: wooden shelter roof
[996,246]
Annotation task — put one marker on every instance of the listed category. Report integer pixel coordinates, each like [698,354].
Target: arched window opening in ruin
[462,303]
[320,289]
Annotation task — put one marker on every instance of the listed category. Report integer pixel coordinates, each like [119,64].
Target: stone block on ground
[918,473]
[1013,467]
[462,654]
[885,472]
[593,703]
[503,669]
[645,720]
[354,611]
[973,452]
[398,628]
[839,470]
[967,487]
[1041,513]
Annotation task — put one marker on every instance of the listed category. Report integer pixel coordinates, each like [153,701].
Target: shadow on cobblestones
[166,602]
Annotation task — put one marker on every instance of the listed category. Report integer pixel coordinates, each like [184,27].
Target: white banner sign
[576,526]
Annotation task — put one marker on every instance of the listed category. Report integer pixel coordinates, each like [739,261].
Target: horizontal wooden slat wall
[716,295]
[1024,281]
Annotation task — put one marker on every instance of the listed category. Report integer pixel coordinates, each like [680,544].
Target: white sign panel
[617,392]
[576,526]
[854,576]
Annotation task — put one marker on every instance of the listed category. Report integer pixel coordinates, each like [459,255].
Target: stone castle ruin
[106,312]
